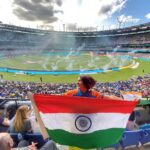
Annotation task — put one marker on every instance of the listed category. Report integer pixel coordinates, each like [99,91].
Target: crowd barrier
[63,72]
[145,59]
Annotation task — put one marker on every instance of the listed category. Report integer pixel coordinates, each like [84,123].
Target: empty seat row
[133,138]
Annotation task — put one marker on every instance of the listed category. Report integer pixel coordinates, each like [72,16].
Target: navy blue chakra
[83,123]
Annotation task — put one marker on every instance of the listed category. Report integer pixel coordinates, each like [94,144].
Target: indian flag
[83,122]
[131,95]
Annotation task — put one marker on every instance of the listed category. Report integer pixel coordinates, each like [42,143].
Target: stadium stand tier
[20,38]
[17,40]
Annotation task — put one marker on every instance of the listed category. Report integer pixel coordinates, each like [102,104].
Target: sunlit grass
[101,77]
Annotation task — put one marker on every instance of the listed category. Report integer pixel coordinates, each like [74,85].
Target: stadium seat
[145,136]
[14,136]
[115,146]
[145,126]
[2,103]
[131,138]
[137,113]
[37,138]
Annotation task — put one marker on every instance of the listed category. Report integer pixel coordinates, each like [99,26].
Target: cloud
[109,7]
[147,16]
[37,10]
[59,2]
[89,12]
[82,12]
[79,2]
[128,19]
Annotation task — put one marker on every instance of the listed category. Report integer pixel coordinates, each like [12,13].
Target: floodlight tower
[64,27]
[120,21]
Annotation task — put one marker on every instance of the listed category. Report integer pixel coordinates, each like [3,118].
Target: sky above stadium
[101,14]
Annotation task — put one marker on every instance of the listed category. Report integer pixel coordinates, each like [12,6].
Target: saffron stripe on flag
[69,104]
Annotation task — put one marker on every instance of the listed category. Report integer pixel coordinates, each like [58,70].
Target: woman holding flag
[85,84]
[69,120]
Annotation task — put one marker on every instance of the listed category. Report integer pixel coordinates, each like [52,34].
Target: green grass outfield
[53,61]
[101,77]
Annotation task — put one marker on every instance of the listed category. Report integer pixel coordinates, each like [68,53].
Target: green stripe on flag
[101,138]
[144,102]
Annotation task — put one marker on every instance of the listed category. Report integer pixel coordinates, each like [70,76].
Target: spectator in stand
[85,84]
[21,123]
[6,143]
[4,124]
[18,90]
[131,125]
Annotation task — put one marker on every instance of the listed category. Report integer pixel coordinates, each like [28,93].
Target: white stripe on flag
[100,121]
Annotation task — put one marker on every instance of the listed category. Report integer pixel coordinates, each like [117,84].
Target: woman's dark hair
[88,81]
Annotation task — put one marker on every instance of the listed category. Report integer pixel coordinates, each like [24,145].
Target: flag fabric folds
[131,95]
[83,122]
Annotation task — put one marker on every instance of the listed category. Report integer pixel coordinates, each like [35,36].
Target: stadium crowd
[24,119]
[23,123]
[15,89]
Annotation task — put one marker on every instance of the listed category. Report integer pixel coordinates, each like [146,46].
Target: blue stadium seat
[115,146]
[131,138]
[145,136]
[14,136]
[145,126]
[37,138]
[137,114]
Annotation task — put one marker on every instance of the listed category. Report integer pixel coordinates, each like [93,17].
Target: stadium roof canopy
[128,30]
